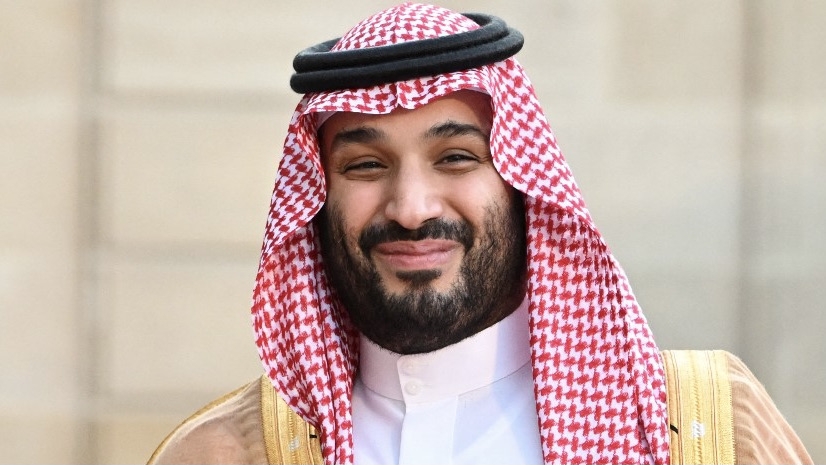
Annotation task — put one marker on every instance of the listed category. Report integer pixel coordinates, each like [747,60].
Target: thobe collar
[470,364]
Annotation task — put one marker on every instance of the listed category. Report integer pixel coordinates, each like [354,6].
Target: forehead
[464,106]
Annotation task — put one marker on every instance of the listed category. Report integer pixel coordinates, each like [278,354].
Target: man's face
[421,238]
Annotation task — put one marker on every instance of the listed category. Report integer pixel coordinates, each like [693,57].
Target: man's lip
[422,247]
[423,254]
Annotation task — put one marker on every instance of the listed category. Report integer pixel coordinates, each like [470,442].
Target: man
[432,288]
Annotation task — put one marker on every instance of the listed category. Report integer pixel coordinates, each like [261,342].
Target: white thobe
[469,403]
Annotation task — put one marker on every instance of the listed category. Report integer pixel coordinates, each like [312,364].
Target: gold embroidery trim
[699,406]
[288,439]
[268,421]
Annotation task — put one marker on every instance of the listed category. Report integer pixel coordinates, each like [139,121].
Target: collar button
[412,388]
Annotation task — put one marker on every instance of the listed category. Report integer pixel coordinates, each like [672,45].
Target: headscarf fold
[598,375]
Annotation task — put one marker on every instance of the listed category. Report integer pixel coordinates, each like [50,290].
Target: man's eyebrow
[452,128]
[359,135]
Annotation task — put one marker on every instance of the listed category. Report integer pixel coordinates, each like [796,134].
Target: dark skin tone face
[422,240]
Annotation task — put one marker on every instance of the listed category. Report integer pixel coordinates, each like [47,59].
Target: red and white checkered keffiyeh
[598,376]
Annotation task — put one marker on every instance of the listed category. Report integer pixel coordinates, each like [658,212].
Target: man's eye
[457,158]
[363,166]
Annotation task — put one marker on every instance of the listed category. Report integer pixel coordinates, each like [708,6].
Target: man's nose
[414,198]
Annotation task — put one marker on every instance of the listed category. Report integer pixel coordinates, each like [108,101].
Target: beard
[490,284]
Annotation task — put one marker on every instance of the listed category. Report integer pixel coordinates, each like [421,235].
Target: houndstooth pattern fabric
[599,381]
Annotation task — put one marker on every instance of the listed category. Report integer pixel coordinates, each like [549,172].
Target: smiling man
[418,262]
[432,288]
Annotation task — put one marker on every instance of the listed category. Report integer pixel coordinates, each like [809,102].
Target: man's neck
[469,364]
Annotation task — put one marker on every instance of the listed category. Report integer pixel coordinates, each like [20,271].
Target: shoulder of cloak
[227,430]
[719,412]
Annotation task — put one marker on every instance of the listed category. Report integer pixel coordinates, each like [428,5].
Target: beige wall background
[139,139]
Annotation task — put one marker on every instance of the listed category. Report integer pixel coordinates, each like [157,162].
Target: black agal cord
[318,69]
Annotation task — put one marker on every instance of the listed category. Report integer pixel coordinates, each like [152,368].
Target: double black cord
[318,69]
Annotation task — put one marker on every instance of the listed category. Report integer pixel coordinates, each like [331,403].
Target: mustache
[459,231]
